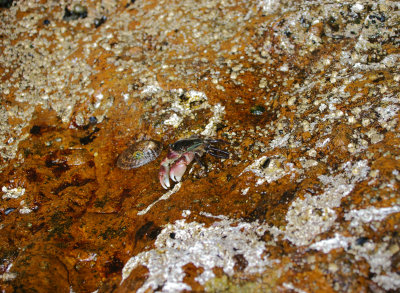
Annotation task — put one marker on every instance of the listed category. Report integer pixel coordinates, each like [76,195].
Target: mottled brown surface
[272,68]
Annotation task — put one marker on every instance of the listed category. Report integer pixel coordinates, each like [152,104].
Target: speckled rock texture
[306,93]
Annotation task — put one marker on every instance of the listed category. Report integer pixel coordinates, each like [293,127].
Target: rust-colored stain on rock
[305,95]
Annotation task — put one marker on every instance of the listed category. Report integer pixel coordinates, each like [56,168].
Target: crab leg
[216,140]
[217,152]
[197,158]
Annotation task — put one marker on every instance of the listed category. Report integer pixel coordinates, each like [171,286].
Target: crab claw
[179,167]
[163,175]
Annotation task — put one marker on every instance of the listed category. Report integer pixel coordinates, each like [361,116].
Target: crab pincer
[183,152]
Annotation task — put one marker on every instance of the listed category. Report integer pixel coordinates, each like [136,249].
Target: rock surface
[305,92]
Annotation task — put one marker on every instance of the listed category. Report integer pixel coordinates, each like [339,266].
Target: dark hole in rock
[35,130]
[114,265]
[361,241]
[240,262]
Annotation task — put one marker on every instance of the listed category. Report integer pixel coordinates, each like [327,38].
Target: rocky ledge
[305,93]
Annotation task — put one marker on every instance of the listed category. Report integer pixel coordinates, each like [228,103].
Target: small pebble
[8,210]
[80,10]
[99,21]
[92,120]
[257,110]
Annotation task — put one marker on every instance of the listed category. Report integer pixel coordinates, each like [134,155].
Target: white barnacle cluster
[12,192]
[370,214]
[277,168]
[211,128]
[202,246]
[313,215]
[184,104]
[378,254]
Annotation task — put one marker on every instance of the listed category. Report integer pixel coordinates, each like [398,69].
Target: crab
[183,152]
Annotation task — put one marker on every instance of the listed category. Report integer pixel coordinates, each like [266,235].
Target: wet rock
[305,93]
[39,271]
